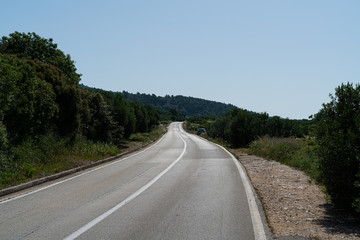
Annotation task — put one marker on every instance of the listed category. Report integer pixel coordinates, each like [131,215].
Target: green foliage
[29,170]
[187,106]
[130,122]
[279,149]
[100,126]
[5,162]
[84,147]
[47,122]
[307,160]
[129,116]
[69,98]
[33,46]
[338,136]
[3,138]
[27,102]
[175,115]
[239,127]
[300,154]
[46,154]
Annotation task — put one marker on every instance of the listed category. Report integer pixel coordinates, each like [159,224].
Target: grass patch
[296,153]
[149,137]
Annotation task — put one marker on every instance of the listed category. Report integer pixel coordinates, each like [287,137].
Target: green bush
[278,149]
[299,154]
[29,170]
[338,136]
[83,146]
[306,160]
[3,137]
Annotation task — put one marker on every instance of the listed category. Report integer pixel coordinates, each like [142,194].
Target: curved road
[182,187]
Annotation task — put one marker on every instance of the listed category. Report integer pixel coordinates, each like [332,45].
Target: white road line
[259,231]
[82,174]
[127,200]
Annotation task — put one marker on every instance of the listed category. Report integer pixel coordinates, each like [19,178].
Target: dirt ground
[296,206]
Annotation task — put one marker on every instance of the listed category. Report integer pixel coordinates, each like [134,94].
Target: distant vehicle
[201,130]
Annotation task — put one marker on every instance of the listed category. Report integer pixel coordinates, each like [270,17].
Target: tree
[33,46]
[140,115]
[338,136]
[101,124]
[27,103]
[130,123]
[72,102]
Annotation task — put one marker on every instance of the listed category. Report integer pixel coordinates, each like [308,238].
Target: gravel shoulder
[295,205]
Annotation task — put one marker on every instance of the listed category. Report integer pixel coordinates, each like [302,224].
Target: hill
[189,106]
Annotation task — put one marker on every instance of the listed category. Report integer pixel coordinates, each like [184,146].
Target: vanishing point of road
[181,187]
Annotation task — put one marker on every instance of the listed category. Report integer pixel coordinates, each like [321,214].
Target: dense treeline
[127,117]
[239,127]
[171,114]
[40,96]
[40,92]
[188,106]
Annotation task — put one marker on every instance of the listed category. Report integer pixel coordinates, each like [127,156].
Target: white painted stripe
[127,200]
[259,231]
[82,174]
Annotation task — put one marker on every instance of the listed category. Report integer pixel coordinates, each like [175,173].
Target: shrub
[3,137]
[299,154]
[306,159]
[338,136]
[278,149]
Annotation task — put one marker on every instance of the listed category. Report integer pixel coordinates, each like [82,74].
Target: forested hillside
[171,114]
[187,105]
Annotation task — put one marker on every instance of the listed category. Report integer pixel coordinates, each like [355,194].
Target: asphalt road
[182,187]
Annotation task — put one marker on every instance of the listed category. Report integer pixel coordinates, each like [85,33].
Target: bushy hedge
[338,136]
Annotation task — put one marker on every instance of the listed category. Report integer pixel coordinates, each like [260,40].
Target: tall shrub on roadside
[338,136]
[27,103]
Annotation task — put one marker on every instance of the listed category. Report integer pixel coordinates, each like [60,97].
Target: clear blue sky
[282,57]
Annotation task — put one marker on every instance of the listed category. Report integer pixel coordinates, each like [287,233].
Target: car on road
[200,131]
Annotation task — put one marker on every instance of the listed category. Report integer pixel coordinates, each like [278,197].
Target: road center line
[91,224]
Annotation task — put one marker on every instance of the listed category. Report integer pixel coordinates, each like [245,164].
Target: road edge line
[107,161]
[259,230]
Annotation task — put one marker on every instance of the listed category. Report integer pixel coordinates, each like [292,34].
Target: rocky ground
[295,205]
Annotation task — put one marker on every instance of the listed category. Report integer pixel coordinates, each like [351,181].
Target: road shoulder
[296,207]
[84,165]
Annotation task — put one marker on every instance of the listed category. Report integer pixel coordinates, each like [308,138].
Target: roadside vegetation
[327,147]
[299,153]
[49,154]
[48,123]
